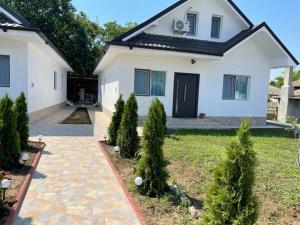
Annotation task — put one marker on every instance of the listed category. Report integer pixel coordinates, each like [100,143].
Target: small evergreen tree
[22,121]
[230,199]
[164,117]
[128,139]
[152,165]
[115,122]
[9,139]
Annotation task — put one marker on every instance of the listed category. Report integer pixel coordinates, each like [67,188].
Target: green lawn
[193,154]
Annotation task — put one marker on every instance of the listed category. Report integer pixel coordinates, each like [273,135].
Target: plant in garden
[22,121]
[164,117]
[230,199]
[128,139]
[9,139]
[152,165]
[115,121]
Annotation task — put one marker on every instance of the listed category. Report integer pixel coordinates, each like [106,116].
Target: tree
[22,121]
[128,139]
[115,121]
[9,139]
[279,80]
[164,117]
[152,165]
[230,199]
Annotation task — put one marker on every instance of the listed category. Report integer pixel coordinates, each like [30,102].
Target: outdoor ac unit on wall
[181,26]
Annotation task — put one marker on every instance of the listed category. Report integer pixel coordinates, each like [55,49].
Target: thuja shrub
[9,139]
[230,199]
[22,121]
[164,117]
[152,165]
[115,121]
[128,139]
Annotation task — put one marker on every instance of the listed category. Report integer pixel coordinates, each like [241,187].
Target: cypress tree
[152,165]
[9,139]
[22,121]
[128,139]
[164,117]
[115,122]
[230,199]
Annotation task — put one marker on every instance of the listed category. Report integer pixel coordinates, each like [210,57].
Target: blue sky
[282,16]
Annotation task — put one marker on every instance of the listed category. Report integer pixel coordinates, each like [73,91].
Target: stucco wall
[18,67]
[40,83]
[248,60]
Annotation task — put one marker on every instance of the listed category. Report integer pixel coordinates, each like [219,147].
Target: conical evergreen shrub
[128,139]
[164,117]
[152,165]
[22,121]
[230,199]
[115,121]
[9,139]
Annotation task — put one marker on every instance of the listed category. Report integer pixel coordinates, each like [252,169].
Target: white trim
[10,16]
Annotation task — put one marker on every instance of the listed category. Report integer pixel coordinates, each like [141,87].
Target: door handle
[184,97]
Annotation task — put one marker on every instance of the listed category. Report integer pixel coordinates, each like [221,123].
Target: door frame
[176,74]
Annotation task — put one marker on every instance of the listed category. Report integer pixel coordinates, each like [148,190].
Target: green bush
[230,199]
[152,165]
[22,121]
[164,117]
[115,122]
[128,139]
[9,139]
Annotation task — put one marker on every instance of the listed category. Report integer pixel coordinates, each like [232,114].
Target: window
[55,80]
[235,87]
[4,71]
[192,18]
[215,27]
[147,82]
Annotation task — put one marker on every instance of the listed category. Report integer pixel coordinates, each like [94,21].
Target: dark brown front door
[185,102]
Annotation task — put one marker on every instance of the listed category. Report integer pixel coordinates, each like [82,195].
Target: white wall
[41,70]
[231,23]
[248,60]
[18,67]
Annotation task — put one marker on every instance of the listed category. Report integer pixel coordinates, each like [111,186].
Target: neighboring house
[30,63]
[196,56]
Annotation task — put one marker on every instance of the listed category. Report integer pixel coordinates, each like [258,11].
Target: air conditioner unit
[181,26]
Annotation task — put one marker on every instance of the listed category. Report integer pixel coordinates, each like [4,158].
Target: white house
[197,56]
[30,63]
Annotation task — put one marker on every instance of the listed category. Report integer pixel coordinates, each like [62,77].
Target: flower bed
[20,179]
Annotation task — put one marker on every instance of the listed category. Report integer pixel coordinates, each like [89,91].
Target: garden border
[133,204]
[22,193]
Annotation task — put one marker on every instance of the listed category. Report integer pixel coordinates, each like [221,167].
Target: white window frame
[196,23]
[248,88]
[221,27]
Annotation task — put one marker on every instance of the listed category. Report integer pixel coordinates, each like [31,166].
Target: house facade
[197,57]
[30,63]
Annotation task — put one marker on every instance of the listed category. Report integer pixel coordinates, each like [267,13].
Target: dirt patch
[17,176]
[79,116]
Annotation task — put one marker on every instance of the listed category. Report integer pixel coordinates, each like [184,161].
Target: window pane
[241,87]
[228,87]
[192,18]
[4,71]
[142,82]
[215,27]
[55,80]
[158,81]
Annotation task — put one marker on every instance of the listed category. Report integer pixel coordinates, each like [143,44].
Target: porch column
[287,91]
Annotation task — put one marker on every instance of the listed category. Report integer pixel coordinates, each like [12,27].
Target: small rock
[194,212]
[8,177]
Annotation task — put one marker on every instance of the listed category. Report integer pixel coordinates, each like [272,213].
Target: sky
[282,16]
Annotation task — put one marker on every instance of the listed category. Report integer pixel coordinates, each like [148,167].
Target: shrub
[115,122]
[164,117]
[9,138]
[152,165]
[128,139]
[230,199]
[22,121]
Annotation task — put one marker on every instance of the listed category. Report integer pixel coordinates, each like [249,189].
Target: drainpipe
[287,91]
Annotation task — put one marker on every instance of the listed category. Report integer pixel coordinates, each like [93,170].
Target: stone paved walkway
[73,183]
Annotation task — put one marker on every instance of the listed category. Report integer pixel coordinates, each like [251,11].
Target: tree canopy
[78,38]
[279,80]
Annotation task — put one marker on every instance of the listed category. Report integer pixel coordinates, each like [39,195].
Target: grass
[192,156]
